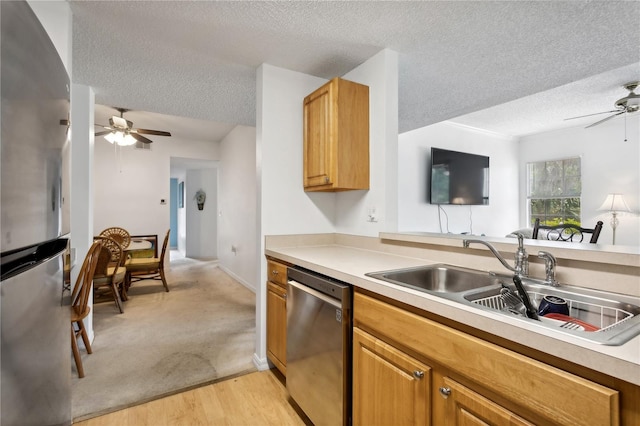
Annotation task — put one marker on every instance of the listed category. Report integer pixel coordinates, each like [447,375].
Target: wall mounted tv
[459,178]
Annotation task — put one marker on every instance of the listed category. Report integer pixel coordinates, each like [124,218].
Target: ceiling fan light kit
[120,138]
[121,132]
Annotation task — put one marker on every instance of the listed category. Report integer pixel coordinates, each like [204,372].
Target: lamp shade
[614,203]
[120,138]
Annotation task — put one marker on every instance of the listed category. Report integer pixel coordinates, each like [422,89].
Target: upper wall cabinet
[336,137]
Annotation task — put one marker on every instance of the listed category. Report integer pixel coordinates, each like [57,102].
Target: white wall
[56,18]
[609,164]
[380,73]
[201,225]
[499,218]
[130,183]
[237,205]
[284,206]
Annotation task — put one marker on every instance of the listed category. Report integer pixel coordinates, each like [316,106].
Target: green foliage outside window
[554,189]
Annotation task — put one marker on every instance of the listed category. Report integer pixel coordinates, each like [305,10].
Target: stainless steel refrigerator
[35,345]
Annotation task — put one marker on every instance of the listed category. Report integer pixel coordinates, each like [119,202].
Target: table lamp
[614,203]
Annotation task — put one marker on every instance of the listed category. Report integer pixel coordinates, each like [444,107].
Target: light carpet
[201,331]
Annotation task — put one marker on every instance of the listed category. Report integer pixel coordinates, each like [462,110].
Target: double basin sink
[601,317]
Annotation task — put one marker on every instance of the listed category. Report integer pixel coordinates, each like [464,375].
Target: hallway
[199,332]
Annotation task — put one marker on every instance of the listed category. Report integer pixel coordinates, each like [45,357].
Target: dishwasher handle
[333,302]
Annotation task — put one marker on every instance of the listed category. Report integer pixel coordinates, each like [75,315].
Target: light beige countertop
[349,263]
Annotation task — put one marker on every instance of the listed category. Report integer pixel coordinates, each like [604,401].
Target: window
[553,191]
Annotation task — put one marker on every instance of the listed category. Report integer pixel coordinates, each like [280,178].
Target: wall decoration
[200,198]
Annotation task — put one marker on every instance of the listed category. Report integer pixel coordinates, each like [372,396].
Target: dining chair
[80,304]
[121,235]
[111,272]
[151,268]
[566,232]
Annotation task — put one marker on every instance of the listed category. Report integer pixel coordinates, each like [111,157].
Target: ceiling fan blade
[605,119]
[104,132]
[589,115]
[151,132]
[141,138]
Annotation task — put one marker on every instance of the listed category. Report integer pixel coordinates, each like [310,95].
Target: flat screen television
[459,178]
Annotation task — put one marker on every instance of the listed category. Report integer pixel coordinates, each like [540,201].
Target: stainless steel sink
[439,278]
[615,317]
[606,318]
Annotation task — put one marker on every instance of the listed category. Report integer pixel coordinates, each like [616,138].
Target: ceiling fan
[628,104]
[121,131]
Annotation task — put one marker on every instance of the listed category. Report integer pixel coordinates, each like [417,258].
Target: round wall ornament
[200,197]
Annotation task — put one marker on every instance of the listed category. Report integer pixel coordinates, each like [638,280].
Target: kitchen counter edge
[349,264]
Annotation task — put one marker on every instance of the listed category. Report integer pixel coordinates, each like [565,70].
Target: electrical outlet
[372,216]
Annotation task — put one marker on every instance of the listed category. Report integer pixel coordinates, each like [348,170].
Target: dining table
[140,247]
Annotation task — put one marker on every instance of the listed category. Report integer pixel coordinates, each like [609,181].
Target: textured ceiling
[198,59]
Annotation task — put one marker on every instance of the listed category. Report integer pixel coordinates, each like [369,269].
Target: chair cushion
[106,279]
[143,261]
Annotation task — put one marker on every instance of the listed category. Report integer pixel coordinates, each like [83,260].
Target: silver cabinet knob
[326,179]
[418,374]
[445,392]
[274,272]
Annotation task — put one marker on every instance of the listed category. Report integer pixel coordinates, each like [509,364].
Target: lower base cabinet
[277,326]
[412,370]
[277,314]
[462,406]
[381,370]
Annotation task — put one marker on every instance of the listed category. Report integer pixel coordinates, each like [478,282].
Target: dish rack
[604,317]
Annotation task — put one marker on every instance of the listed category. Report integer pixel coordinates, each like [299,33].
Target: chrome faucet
[550,263]
[521,267]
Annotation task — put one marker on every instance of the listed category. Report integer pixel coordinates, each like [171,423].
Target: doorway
[194,207]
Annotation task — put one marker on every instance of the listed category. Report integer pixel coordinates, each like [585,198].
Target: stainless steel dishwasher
[319,346]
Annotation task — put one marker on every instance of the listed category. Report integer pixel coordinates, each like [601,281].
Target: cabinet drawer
[554,394]
[277,272]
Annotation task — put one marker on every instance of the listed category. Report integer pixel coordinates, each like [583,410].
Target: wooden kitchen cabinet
[336,137]
[473,381]
[462,406]
[381,370]
[277,315]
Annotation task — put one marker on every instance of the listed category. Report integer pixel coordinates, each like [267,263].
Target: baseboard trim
[237,278]
[261,363]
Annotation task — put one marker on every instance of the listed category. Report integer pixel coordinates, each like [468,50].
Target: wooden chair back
[82,288]
[111,255]
[567,232]
[120,235]
[164,249]
[148,268]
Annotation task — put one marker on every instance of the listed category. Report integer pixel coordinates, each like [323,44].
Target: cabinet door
[317,138]
[464,407]
[390,387]
[277,326]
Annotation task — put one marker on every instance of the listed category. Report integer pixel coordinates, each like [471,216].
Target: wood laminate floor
[254,399]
